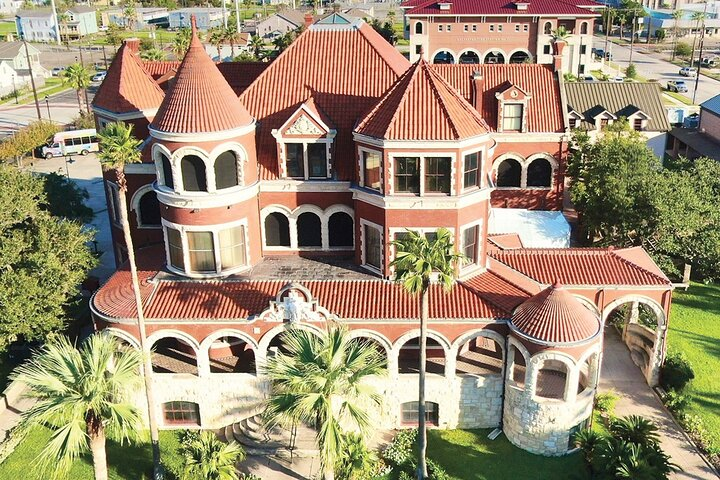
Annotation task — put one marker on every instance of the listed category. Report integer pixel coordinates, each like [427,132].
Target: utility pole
[632,37]
[32,79]
[55,20]
[224,13]
[237,15]
[702,39]
[82,64]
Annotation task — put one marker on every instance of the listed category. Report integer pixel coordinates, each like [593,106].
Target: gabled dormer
[637,118]
[512,108]
[304,143]
[601,117]
[575,118]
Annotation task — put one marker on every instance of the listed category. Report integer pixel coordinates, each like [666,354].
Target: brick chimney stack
[558,47]
[308,19]
[477,89]
[133,44]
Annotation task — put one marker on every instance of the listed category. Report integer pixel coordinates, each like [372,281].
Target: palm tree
[129,14]
[257,44]
[676,15]
[207,458]
[232,36]
[588,441]
[697,17]
[635,429]
[153,55]
[417,261]
[622,18]
[78,77]
[81,396]
[216,37]
[181,42]
[119,147]
[321,381]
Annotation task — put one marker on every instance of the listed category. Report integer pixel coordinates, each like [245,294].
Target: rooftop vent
[445,5]
[521,5]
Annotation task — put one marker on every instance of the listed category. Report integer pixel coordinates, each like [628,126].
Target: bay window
[211,251]
[371,172]
[407,175]
[437,175]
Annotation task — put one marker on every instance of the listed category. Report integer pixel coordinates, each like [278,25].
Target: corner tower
[203,147]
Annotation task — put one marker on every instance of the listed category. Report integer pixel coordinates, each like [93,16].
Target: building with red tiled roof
[501,32]
[270,196]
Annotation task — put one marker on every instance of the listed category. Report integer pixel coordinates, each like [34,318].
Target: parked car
[587,78]
[708,62]
[99,66]
[57,71]
[677,86]
[617,79]
[99,77]
[688,72]
[600,53]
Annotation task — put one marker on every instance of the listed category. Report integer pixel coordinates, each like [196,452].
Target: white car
[688,72]
[617,79]
[99,77]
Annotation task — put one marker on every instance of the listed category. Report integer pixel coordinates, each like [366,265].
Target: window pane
[317,160]
[175,248]
[470,243]
[181,412]
[407,174]
[373,247]
[202,254]
[167,171]
[232,247]
[193,174]
[471,176]
[371,170]
[294,160]
[149,209]
[437,174]
[512,116]
[226,171]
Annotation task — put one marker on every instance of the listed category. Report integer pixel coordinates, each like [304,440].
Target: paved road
[654,68]
[636,398]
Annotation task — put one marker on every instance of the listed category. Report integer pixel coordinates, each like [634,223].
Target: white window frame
[365,224]
[361,167]
[305,142]
[472,266]
[480,169]
[215,230]
[135,206]
[422,156]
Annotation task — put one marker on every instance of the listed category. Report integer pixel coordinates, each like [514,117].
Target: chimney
[477,88]
[132,44]
[308,19]
[558,47]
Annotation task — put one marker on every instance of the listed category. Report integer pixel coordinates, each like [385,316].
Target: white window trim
[524,164]
[282,141]
[423,155]
[135,206]
[361,166]
[365,224]
[293,215]
[215,230]
[113,191]
[470,267]
[481,169]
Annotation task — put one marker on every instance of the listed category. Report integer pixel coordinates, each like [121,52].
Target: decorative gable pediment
[512,93]
[306,121]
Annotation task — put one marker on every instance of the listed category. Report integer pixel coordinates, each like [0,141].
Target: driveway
[620,374]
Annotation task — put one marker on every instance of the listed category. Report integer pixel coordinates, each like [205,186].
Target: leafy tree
[385,30]
[113,36]
[356,462]
[682,49]
[77,77]
[321,381]
[660,35]
[83,121]
[82,396]
[417,260]
[153,55]
[207,458]
[26,140]
[631,71]
[676,15]
[65,199]
[43,258]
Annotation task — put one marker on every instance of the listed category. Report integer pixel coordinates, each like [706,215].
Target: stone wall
[542,426]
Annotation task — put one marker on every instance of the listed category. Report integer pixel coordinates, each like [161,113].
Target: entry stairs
[277,441]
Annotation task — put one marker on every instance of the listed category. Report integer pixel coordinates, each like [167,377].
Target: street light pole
[47,104]
[702,39]
[15,89]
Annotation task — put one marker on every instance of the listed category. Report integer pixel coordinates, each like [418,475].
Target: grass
[469,455]
[695,330]
[679,97]
[126,462]
[7,27]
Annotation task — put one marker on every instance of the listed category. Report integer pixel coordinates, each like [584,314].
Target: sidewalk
[619,373]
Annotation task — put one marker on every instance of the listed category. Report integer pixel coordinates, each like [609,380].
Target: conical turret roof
[555,316]
[200,100]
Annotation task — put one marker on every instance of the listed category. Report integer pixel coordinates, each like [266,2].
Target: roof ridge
[363,35]
[440,99]
[459,98]
[404,81]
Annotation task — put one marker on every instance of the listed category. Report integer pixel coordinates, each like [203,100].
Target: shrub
[605,402]
[83,121]
[676,402]
[400,450]
[682,49]
[631,71]
[676,372]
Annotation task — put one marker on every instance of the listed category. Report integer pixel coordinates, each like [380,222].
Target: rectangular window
[437,175]
[232,248]
[474,28]
[418,49]
[175,248]
[492,27]
[525,28]
[572,122]
[470,244]
[583,49]
[372,177]
[181,412]
[512,117]
[201,251]
[471,178]
[465,28]
[637,124]
[440,28]
[517,27]
[449,28]
[409,413]
[294,160]
[373,247]
[546,49]
[604,122]
[317,160]
[407,175]
[500,28]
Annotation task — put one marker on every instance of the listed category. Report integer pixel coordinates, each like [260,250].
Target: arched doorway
[479,356]
[277,230]
[520,57]
[469,57]
[409,357]
[494,57]
[173,355]
[444,57]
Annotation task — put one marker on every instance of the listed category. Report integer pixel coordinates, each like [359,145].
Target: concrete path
[620,374]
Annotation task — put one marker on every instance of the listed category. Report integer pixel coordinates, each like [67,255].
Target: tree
[181,43]
[43,258]
[232,36]
[660,35]
[153,55]
[676,15]
[65,199]
[207,458]
[216,37]
[682,49]
[385,30]
[82,396]
[129,14]
[321,381]
[356,462]
[119,147]
[417,260]
[588,441]
[26,140]
[622,18]
[696,17]
[113,36]
[77,77]
[257,45]
[631,71]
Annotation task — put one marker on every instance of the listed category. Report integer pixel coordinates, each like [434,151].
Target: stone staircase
[252,434]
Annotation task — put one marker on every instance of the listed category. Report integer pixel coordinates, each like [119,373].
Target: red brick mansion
[269,195]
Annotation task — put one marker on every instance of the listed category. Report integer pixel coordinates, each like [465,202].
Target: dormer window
[512,105]
[444,5]
[512,117]
[306,160]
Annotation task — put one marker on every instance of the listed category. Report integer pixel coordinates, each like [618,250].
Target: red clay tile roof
[544,108]
[344,69]
[157,69]
[505,241]
[240,75]
[500,7]
[555,316]
[497,290]
[128,87]
[579,266]
[200,99]
[422,106]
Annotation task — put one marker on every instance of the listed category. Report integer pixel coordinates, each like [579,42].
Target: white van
[72,143]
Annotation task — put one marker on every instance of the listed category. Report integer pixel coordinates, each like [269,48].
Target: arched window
[419,28]
[226,171]
[551,380]
[494,57]
[547,29]
[167,171]
[444,57]
[173,355]
[308,230]
[277,230]
[469,58]
[193,174]
[583,28]
[340,226]
[149,209]
[508,173]
[519,57]
[539,173]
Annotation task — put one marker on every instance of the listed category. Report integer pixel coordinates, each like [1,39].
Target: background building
[207,18]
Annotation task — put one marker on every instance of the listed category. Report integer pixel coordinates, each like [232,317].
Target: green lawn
[695,330]
[7,27]
[469,455]
[126,462]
